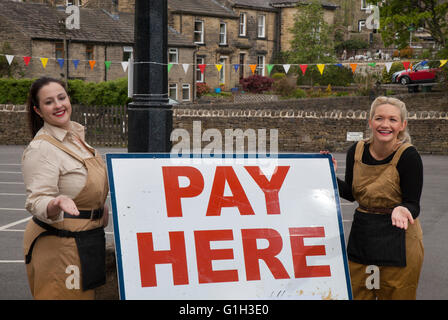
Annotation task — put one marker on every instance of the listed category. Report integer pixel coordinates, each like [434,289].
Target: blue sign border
[110,156]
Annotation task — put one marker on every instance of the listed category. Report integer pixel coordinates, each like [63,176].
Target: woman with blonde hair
[384,174]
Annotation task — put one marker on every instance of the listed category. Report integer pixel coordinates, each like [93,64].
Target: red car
[421,72]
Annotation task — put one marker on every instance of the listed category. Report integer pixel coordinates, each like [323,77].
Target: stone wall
[304,125]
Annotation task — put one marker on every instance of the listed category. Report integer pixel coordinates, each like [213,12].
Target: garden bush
[201,89]
[256,83]
[334,75]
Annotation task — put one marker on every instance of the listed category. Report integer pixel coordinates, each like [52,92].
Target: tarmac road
[433,217]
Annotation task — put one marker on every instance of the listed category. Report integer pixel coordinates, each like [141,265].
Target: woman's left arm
[410,169]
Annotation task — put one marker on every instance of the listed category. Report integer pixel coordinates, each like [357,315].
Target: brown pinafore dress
[55,270]
[377,190]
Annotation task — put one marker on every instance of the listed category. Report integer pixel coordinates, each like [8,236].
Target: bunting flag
[236,66]
[170,65]
[218,66]
[286,67]
[9,58]
[303,68]
[253,67]
[44,62]
[124,65]
[353,66]
[406,65]
[75,63]
[27,60]
[269,67]
[321,68]
[339,65]
[371,64]
[423,62]
[92,64]
[61,62]
[201,67]
[107,64]
[185,67]
[388,66]
[443,62]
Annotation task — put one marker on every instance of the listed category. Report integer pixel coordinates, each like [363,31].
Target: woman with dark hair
[66,183]
[384,174]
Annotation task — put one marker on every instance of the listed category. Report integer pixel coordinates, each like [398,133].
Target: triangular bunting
[9,58]
[44,62]
[303,68]
[388,66]
[423,62]
[406,65]
[185,67]
[353,66]
[124,65]
[170,65]
[338,65]
[26,60]
[286,67]
[371,64]
[107,64]
[218,66]
[201,67]
[92,64]
[321,68]
[61,62]
[269,67]
[236,66]
[75,63]
[443,62]
[253,67]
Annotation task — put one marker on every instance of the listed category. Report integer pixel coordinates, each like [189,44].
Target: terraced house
[213,41]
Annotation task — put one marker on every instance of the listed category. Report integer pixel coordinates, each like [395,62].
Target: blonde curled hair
[403,136]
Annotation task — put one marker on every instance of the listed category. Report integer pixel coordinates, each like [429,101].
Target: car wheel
[405,81]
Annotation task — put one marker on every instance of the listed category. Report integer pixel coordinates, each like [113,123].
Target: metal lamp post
[149,114]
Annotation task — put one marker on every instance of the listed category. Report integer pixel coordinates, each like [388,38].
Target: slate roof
[201,7]
[279,3]
[40,21]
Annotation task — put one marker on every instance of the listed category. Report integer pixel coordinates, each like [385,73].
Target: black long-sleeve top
[410,169]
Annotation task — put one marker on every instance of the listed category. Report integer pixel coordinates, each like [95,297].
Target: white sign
[355,136]
[227,228]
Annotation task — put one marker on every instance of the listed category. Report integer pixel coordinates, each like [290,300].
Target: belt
[377,210]
[93,214]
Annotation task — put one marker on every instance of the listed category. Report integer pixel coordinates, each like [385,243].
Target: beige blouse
[49,172]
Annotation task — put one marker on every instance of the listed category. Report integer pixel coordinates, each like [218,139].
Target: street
[13,220]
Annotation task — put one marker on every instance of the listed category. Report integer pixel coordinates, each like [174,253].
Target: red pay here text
[177,256]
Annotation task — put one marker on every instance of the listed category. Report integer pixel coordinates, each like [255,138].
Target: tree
[398,18]
[311,41]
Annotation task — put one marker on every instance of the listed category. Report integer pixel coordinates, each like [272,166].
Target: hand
[105,216]
[63,203]
[400,217]
[335,163]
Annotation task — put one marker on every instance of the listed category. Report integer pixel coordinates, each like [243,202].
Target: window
[199,75]
[173,55]
[222,72]
[361,24]
[260,65]
[59,50]
[243,19]
[172,91]
[364,5]
[261,26]
[241,66]
[186,92]
[127,53]
[199,31]
[89,52]
[222,33]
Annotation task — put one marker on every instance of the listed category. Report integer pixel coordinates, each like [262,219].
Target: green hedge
[333,75]
[108,93]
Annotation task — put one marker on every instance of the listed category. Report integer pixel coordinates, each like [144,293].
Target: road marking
[6,226]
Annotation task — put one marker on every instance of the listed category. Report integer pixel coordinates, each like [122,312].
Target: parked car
[422,72]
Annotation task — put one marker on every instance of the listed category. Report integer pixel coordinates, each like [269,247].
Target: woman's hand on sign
[335,163]
[61,203]
[400,217]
